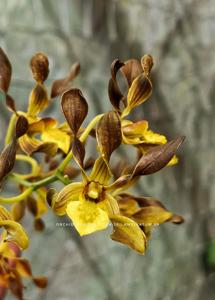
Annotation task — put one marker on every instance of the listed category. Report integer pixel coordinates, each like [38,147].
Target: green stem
[83,137]
[10,129]
[18,198]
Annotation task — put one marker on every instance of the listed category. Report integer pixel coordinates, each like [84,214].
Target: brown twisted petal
[157,158]
[131,70]
[39,65]
[60,86]
[127,232]
[5,71]
[140,91]
[21,126]
[147,64]
[7,158]
[108,133]
[78,151]
[38,100]
[31,145]
[75,108]
[114,92]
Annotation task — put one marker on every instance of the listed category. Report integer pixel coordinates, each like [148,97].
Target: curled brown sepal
[114,92]
[108,133]
[5,71]
[7,158]
[157,158]
[8,155]
[59,86]
[39,65]
[21,126]
[78,151]
[75,109]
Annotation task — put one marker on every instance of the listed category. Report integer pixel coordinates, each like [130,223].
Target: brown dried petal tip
[39,65]
[5,71]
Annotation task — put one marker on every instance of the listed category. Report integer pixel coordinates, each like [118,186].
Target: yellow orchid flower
[12,266]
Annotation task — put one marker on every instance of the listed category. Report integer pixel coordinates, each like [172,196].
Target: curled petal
[7,158]
[5,71]
[60,86]
[114,92]
[58,137]
[133,132]
[131,70]
[75,108]
[87,217]
[157,158]
[16,233]
[5,214]
[38,100]
[21,126]
[71,192]
[31,145]
[100,172]
[109,134]
[139,92]
[40,67]
[127,232]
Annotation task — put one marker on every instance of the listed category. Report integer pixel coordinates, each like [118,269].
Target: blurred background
[180,261]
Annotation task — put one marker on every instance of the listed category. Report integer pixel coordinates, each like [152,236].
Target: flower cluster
[101,196]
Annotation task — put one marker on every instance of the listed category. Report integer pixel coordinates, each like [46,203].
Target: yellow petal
[57,136]
[173,161]
[71,192]
[151,137]
[87,217]
[41,203]
[110,205]
[16,233]
[132,133]
[5,214]
[38,100]
[127,232]
[100,172]
[30,145]
[140,91]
